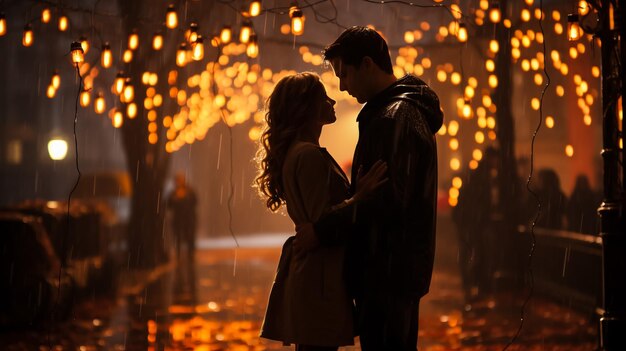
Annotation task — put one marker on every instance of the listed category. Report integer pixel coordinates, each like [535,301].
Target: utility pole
[612,229]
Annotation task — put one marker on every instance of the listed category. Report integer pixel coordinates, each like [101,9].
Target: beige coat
[309,303]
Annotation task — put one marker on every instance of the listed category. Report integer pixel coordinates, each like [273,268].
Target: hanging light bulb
[583,7]
[127,56]
[494,12]
[55,82]
[84,44]
[118,119]
[225,35]
[51,91]
[462,35]
[120,79]
[197,52]
[78,56]
[3,24]
[46,15]
[85,98]
[255,8]
[573,28]
[133,40]
[246,31]
[131,110]
[157,41]
[28,38]
[171,18]
[297,21]
[63,23]
[100,104]
[253,47]
[107,56]
[181,55]
[192,33]
[129,92]
[467,109]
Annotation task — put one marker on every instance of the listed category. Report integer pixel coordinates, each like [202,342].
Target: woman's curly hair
[291,105]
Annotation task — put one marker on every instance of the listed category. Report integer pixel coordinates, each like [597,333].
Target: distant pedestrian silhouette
[582,207]
[182,205]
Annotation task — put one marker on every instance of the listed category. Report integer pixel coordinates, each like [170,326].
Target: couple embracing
[363,253]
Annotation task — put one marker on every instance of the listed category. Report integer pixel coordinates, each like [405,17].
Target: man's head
[361,61]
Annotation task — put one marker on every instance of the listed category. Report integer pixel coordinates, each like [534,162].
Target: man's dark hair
[355,43]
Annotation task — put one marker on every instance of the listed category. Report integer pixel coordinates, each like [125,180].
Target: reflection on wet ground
[218,304]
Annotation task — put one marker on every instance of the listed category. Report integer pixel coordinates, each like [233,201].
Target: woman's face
[326,109]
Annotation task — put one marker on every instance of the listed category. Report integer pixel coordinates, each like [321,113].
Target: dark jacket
[391,244]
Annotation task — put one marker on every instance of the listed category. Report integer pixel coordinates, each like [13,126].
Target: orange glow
[27,37]
[171,18]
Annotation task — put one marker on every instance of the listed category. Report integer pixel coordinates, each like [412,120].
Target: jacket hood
[417,91]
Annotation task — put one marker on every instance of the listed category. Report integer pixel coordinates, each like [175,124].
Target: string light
[462,33]
[63,23]
[78,55]
[84,43]
[131,110]
[171,18]
[583,8]
[106,58]
[133,40]
[85,98]
[157,41]
[100,104]
[192,33]
[46,15]
[3,24]
[297,21]
[197,52]
[253,48]
[55,82]
[573,28]
[246,31]
[225,35]
[120,79]
[129,92]
[494,12]
[181,55]
[255,8]
[27,37]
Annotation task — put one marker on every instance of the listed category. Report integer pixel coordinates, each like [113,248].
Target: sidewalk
[218,304]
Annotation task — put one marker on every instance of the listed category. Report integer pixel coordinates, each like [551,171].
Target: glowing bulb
[84,44]
[127,56]
[129,92]
[253,48]
[462,35]
[569,150]
[118,119]
[85,98]
[157,41]
[583,8]
[192,33]
[131,110]
[51,91]
[255,8]
[3,24]
[246,31]
[56,80]
[171,18]
[573,28]
[133,41]
[78,56]
[197,52]
[467,110]
[494,13]
[57,149]
[494,46]
[181,55]
[63,22]
[28,37]
[297,22]
[225,35]
[120,79]
[550,122]
[100,104]
[46,15]
[106,57]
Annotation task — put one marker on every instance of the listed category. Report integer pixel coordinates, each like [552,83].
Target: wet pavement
[218,304]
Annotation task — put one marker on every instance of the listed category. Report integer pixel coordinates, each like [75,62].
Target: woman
[309,305]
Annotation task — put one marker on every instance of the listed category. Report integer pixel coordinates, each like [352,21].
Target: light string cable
[531,280]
